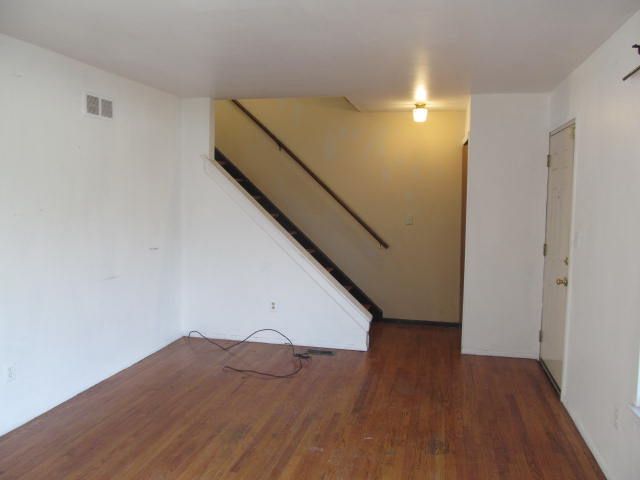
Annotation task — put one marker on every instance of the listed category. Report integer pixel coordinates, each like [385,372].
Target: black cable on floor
[298,356]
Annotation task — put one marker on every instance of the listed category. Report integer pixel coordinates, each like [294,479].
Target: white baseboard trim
[7,428]
[590,443]
[274,340]
[496,353]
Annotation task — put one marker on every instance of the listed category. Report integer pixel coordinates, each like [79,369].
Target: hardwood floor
[410,408]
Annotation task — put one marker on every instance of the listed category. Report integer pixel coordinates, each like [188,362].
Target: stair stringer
[359,317]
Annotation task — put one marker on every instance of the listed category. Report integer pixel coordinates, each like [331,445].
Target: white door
[557,247]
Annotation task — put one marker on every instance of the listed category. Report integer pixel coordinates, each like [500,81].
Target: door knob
[562,281]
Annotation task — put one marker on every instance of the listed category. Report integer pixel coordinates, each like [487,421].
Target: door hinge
[540,336]
[548,160]
[544,250]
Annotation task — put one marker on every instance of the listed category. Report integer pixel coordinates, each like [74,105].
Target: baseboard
[275,340]
[495,353]
[78,390]
[590,443]
[577,423]
[429,323]
[552,380]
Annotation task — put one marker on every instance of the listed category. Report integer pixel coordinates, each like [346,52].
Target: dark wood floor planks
[411,408]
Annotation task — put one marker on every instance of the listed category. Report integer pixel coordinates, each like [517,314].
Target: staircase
[297,234]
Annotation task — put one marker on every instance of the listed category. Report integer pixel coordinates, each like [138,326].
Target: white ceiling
[375,52]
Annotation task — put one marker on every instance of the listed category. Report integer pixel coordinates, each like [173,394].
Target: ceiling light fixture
[420,113]
[420,95]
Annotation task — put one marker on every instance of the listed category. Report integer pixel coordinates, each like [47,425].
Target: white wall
[505,224]
[603,342]
[237,260]
[103,260]
[505,231]
[88,222]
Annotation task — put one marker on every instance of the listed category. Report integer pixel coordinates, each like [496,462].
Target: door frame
[463,220]
[567,313]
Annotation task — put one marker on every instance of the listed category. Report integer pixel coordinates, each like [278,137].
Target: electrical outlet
[274,307]
[616,418]
[408,220]
[11,373]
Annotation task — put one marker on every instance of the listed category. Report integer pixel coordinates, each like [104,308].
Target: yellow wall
[385,167]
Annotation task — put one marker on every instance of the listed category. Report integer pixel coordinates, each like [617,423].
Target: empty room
[320,239]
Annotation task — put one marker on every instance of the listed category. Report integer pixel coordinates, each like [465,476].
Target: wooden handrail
[311,173]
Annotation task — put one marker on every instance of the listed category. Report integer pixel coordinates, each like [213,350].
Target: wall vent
[106,108]
[99,107]
[93,105]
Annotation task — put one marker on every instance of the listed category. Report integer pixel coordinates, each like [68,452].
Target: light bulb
[420,113]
